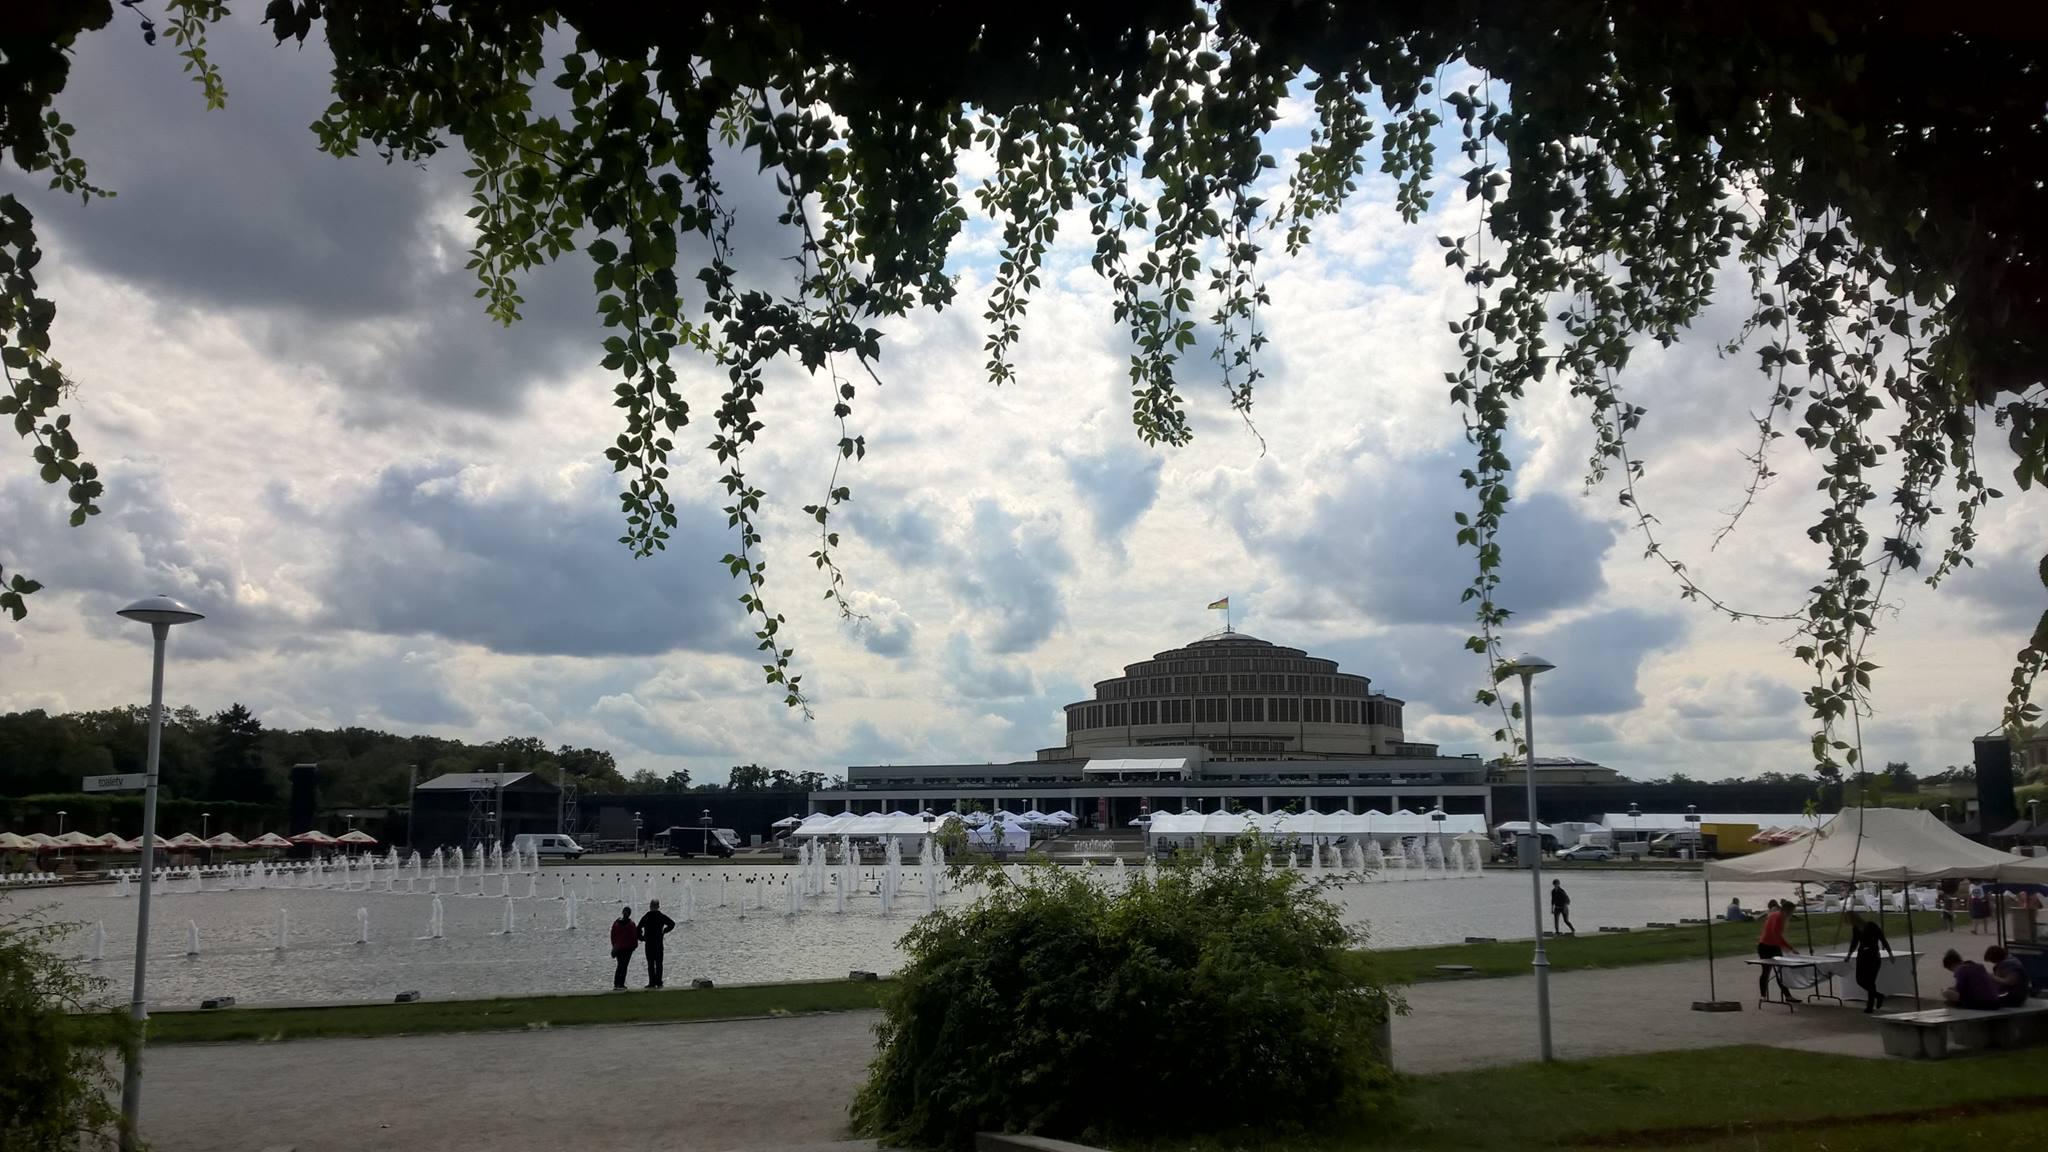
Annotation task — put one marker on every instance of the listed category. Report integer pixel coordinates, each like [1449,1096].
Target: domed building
[1228,720]
[1238,697]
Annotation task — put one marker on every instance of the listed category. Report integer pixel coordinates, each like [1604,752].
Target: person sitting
[1974,986]
[2010,976]
[1735,913]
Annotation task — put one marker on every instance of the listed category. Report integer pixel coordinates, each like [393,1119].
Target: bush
[56,1082]
[1218,998]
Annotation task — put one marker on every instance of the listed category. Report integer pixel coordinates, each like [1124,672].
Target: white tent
[1313,824]
[1007,835]
[870,824]
[1885,845]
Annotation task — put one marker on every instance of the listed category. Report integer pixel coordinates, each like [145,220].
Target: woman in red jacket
[625,938]
[1770,943]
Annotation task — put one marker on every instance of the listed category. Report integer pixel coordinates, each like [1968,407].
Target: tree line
[229,756]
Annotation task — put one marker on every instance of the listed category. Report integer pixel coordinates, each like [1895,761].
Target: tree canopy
[1868,177]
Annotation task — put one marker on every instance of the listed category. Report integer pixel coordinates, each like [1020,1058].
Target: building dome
[1239,698]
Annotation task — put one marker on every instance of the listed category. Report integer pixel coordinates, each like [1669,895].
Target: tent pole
[1907,900]
[1806,917]
[1712,993]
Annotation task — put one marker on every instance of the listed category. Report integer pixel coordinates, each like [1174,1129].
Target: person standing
[1770,944]
[625,938]
[653,927]
[1980,908]
[1865,938]
[1560,908]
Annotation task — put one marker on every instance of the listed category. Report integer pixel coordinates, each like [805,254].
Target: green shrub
[1218,998]
[56,1082]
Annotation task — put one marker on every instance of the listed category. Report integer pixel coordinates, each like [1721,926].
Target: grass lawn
[1610,949]
[513,1012]
[1726,1099]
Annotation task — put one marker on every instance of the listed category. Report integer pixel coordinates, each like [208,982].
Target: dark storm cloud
[1118,486]
[521,571]
[348,267]
[1384,546]
[1009,570]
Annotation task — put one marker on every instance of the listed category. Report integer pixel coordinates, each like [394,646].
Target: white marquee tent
[1317,825]
[1883,845]
[868,825]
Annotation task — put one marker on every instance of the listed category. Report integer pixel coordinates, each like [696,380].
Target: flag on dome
[1223,603]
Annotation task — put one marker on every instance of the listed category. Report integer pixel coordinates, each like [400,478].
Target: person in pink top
[1770,944]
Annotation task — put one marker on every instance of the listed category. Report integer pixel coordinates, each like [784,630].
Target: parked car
[1584,851]
[549,844]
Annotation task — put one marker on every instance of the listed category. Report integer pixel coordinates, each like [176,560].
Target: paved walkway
[703,1087]
[785,1084]
[1648,1008]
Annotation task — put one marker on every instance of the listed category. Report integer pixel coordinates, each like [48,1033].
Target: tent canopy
[356,837]
[225,840]
[1284,824]
[1877,844]
[270,840]
[869,824]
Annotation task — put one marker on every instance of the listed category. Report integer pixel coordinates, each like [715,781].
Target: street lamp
[1944,812]
[1528,666]
[350,818]
[704,822]
[159,612]
[637,841]
[61,814]
[205,824]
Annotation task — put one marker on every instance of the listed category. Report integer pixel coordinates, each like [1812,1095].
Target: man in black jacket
[653,927]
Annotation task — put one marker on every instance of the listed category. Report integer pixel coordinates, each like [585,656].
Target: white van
[548,844]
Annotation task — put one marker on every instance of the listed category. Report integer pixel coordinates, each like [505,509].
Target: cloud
[1116,486]
[2006,586]
[883,628]
[975,678]
[438,550]
[1382,544]
[1009,570]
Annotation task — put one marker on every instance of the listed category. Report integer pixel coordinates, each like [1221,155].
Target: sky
[396,514]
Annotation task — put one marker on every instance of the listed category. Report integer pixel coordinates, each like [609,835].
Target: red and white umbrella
[187,840]
[357,837]
[225,840]
[79,840]
[112,842]
[11,842]
[270,840]
[315,837]
[42,840]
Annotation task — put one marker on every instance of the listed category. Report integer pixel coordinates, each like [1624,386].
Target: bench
[1926,1035]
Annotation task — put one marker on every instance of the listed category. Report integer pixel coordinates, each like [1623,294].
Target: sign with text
[132,782]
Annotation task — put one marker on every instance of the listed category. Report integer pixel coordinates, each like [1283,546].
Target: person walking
[653,927]
[1865,938]
[1770,944]
[1560,908]
[625,938]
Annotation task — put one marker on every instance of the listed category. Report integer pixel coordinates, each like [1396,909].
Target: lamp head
[1528,664]
[160,610]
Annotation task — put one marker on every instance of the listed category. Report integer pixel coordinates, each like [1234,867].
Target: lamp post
[205,824]
[1528,666]
[159,612]
[1944,812]
[350,819]
[60,831]
[704,822]
[637,841]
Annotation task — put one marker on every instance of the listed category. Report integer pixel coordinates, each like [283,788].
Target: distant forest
[230,757]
